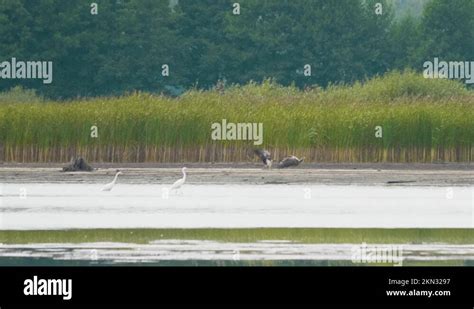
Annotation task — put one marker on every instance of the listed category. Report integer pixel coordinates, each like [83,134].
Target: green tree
[342,40]
[14,33]
[141,40]
[121,49]
[405,43]
[448,30]
[205,49]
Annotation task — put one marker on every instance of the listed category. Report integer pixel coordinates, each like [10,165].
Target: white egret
[178,183]
[110,185]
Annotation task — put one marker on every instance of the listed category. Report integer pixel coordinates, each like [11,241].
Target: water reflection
[194,252]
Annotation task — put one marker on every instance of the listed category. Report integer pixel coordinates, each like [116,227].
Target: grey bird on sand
[265,156]
[289,161]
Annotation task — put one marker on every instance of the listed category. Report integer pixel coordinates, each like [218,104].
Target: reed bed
[422,121]
[301,235]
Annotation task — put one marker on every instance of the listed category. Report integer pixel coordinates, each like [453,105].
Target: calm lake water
[66,206]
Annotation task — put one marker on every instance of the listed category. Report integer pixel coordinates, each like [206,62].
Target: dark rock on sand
[78,165]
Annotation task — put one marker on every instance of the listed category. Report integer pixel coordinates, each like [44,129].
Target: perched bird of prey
[265,156]
[290,161]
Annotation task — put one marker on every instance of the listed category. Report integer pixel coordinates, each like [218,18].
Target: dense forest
[121,46]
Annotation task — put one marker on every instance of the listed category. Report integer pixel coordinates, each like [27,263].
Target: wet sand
[198,173]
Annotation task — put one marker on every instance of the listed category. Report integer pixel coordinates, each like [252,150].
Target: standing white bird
[110,185]
[178,183]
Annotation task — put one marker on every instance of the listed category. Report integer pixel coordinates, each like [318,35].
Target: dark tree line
[123,47]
